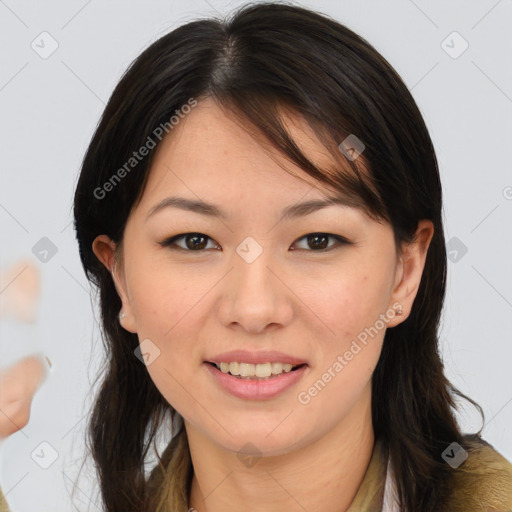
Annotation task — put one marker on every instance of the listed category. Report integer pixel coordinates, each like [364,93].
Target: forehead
[211,151]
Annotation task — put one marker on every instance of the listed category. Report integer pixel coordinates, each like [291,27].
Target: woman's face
[250,287]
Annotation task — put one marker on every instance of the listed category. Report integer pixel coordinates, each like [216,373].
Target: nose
[255,298]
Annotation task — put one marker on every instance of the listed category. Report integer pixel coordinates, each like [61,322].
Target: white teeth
[249,370]
[234,368]
[277,368]
[263,370]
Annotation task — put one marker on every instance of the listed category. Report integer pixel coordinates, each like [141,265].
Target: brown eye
[318,242]
[194,242]
[198,242]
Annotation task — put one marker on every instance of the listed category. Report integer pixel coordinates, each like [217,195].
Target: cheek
[162,298]
[166,303]
[351,306]
[348,301]
[174,370]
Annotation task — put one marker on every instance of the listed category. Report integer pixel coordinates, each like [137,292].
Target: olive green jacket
[484,485]
[3,503]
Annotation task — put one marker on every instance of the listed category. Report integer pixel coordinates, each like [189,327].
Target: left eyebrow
[211,210]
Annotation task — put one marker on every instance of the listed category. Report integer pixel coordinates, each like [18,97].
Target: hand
[18,385]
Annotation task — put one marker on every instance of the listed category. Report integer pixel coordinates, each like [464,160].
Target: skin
[304,302]
[18,385]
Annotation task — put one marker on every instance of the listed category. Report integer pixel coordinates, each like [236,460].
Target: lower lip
[254,389]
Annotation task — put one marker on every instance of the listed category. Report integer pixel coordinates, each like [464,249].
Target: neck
[322,476]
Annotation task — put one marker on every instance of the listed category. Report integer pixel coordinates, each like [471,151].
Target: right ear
[104,249]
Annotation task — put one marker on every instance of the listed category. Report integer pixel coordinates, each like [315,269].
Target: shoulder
[483,482]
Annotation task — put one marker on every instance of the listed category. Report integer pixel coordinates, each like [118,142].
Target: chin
[265,440]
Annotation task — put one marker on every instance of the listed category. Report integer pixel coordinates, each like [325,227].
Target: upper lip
[264,356]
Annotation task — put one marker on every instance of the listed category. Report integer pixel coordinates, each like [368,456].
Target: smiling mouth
[260,371]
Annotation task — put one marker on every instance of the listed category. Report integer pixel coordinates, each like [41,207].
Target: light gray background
[50,107]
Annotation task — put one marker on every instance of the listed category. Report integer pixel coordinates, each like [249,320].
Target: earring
[399,311]
[121,316]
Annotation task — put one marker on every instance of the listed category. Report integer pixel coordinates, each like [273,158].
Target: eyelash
[170,242]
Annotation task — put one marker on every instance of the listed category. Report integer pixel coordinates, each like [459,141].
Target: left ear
[409,270]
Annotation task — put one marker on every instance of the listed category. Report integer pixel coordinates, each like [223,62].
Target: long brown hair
[265,57]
